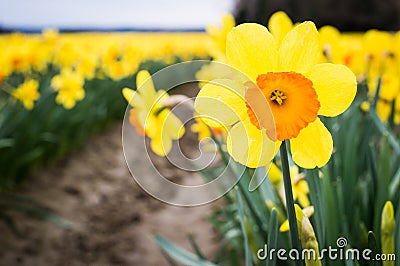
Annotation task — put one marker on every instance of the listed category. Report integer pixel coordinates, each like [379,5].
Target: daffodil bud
[309,243]
[300,213]
[387,231]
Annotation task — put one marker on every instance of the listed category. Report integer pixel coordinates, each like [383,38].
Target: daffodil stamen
[278,96]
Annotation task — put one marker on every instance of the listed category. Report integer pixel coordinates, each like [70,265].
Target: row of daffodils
[317,110]
[57,89]
[84,56]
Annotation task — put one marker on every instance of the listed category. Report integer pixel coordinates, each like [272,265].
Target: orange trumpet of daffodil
[286,80]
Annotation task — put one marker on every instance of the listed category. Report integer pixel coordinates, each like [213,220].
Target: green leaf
[373,246]
[258,209]
[394,186]
[243,226]
[383,181]
[331,220]
[169,259]
[233,258]
[267,190]
[314,184]
[11,202]
[6,142]
[273,236]
[349,263]
[179,254]
[42,214]
[196,247]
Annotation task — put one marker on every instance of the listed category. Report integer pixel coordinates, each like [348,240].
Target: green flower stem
[377,92]
[252,208]
[294,235]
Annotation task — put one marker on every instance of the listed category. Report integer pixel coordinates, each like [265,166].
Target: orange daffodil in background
[290,84]
[150,117]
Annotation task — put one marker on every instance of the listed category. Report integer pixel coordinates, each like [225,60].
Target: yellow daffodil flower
[291,83]
[389,89]
[27,93]
[150,117]
[218,36]
[378,45]
[69,85]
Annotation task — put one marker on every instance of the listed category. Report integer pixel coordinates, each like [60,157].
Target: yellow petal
[212,30]
[159,99]
[329,34]
[313,146]
[133,98]
[252,49]
[284,226]
[149,122]
[228,21]
[299,216]
[299,50]
[171,125]
[161,144]
[384,109]
[336,87]
[162,129]
[221,103]
[274,174]
[145,87]
[279,25]
[250,146]
[141,77]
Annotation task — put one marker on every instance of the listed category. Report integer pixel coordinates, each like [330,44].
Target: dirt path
[93,187]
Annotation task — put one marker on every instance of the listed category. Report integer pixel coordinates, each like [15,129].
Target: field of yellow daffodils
[56,89]
[317,111]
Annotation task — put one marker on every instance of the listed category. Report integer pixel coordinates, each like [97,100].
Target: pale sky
[156,14]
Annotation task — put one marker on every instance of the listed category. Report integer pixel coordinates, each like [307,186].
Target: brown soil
[93,187]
